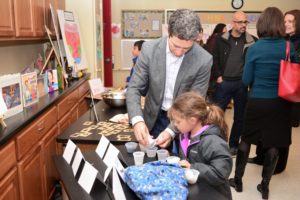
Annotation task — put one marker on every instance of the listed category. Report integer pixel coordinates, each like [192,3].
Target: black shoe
[236,184]
[233,151]
[295,123]
[264,191]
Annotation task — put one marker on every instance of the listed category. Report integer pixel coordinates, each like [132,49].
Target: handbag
[289,78]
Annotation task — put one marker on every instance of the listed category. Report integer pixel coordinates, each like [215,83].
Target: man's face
[179,47]
[239,23]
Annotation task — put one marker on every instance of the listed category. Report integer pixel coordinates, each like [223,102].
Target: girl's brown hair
[192,104]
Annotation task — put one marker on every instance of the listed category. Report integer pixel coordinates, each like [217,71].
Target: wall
[207,5]
[16,57]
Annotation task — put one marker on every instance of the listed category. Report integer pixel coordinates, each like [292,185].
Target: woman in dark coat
[220,28]
[292,29]
[210,43]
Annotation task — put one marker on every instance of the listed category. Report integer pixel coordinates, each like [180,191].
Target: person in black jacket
[292,29]
[203,144]
[229,55]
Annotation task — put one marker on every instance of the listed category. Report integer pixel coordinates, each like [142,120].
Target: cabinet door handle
[41,126]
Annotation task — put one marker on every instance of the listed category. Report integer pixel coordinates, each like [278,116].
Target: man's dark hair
[139,44]
[184,24]
[271,23]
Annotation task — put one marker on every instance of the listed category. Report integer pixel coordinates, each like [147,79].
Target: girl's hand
[184,164]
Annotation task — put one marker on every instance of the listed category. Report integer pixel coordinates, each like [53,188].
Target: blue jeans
[235,90]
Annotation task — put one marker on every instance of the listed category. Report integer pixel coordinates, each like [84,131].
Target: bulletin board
[142,23]
[209,19]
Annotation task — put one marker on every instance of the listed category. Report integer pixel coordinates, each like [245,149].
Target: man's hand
[220,79]
[164,139]
[141,133]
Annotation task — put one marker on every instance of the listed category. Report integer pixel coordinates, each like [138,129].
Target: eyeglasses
[241,22]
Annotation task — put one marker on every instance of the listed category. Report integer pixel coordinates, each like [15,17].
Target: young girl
[203,144]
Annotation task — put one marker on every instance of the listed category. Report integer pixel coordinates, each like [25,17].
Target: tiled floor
[283,186]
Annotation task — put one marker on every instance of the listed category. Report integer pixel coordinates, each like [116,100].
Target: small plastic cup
[130,146]
[138,157]
[191,175]
[142,147]
[151,152]
[162,154]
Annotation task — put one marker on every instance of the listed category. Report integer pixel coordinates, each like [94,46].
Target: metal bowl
[114,98]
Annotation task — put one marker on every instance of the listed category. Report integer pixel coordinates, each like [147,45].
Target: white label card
[77,160]
[96,86]
[111,155]
[117,187]
[87,177]
[120,168]
[102,146]
[69,151]
[107,172]
[3,107]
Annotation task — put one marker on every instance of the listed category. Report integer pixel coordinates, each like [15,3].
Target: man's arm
[137,87]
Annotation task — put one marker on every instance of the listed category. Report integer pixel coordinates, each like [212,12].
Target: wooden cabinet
[49,146]
[35,132]
[83,104]
[8,158]
[67,103]
[29,18]
[31,176]
[9,186]
[26,19]
[23,11]
[7,23]
[39,18]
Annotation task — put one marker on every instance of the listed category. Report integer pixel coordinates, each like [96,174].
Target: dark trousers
[235,90]
[160,125]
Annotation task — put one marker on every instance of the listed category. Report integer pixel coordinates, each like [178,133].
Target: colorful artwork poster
[29,86]
[10,88]
[52,80]
[70,30]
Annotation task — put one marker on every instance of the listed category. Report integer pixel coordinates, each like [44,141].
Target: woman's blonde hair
[192,104]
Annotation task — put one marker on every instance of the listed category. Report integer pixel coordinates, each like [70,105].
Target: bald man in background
[229,56]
